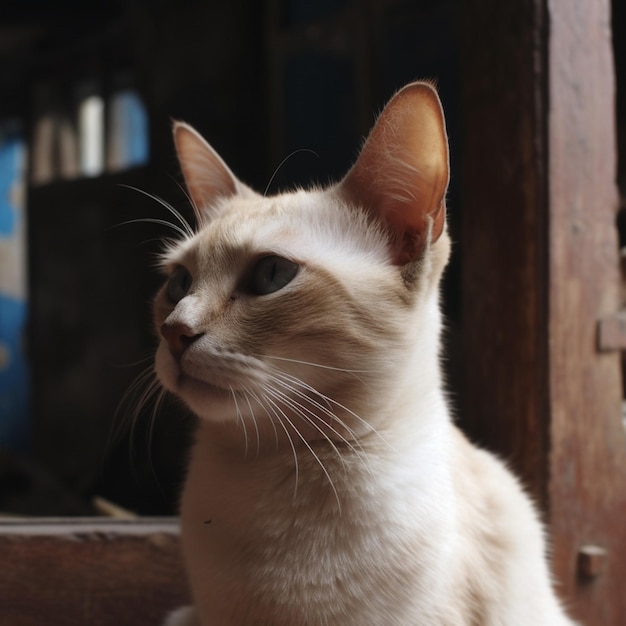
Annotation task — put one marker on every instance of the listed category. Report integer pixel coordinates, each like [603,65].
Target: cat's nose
[179,337]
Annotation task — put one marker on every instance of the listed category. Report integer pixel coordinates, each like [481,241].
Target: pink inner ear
[206,175]
[402,173]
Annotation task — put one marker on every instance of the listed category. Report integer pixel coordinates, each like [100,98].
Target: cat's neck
[386,413]
[223,460]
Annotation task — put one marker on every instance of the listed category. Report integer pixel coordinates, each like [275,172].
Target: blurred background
[89,90]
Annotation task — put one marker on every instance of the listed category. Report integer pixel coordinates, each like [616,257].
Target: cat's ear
[402,172]
[206,175]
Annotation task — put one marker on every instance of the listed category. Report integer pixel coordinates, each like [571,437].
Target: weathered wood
[541,267]
[504,235]
[101,573]
[588,452]
[591,561]
[612,332]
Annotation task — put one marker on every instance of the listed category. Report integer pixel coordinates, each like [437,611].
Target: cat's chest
[265,538]
[269,514]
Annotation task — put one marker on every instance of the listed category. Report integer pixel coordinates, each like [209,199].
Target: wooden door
[543,378]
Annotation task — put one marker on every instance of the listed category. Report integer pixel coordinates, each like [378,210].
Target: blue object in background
[9,146]
[14,376]
[128,131]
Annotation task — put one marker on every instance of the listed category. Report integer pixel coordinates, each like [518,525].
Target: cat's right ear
[206,175]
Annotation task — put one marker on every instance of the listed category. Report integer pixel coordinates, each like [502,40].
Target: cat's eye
[272,273]
[178,284]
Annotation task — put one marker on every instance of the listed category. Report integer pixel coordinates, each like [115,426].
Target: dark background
[259,80]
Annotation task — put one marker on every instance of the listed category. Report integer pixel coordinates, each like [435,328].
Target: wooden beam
[105,573]
[540,269]
[587,484]
[504,234]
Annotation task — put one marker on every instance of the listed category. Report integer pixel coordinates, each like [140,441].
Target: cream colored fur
[327,484]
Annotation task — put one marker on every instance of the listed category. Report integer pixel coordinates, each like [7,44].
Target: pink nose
[179,337]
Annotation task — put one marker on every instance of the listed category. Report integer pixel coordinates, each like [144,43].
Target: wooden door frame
[541,273]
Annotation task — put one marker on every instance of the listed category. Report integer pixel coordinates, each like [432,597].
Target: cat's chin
[198,394]
[187,386]
[206,400]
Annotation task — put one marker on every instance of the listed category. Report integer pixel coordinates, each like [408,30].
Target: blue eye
[178,284]
[272,273]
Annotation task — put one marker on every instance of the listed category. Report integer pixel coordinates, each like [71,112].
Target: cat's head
[300,310]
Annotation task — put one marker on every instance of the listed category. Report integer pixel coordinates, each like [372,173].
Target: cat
[327,484]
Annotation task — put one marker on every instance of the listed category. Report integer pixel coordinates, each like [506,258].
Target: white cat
[327,484]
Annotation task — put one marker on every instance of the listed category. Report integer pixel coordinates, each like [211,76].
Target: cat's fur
[327,484]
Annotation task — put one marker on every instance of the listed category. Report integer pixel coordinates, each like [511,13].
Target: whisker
[301,411]
[308,446]
[154,220]
[157,257]
[356,446]
[138,399]
[326,367]
[285,161]
[187,195]
[326,410]
[293,447]
[306,398]
[240,418]
[153,417]
[148,396]
[150,357]
[297,381]
[183,222]
[254,422]
[260,402]
[119,424]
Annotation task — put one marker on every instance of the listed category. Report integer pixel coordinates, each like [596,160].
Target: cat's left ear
[206,175]
[402,173]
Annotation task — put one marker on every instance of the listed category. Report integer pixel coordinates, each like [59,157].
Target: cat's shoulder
[488,487]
